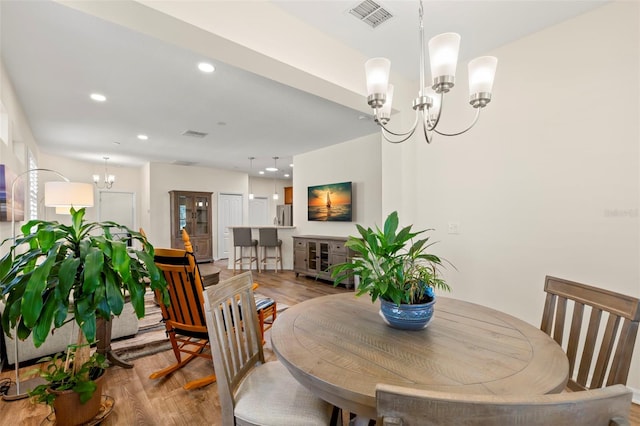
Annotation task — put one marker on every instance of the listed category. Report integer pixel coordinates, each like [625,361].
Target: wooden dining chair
[252,391]
[400,406]
[611,330]
[184,317]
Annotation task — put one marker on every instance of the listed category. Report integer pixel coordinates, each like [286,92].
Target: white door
[259,211]
[229,214]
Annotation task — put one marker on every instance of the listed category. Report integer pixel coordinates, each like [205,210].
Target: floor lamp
[61,195]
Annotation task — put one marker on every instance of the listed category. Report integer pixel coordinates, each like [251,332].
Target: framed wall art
[330,202]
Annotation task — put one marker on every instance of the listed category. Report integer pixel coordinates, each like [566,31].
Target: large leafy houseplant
[53,270]
[392,265]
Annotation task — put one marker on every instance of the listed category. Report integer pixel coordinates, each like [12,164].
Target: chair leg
[234,260]
[279,258]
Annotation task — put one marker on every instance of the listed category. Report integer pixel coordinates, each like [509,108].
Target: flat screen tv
[330,202]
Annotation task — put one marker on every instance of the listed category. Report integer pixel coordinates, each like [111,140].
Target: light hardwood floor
[142,401]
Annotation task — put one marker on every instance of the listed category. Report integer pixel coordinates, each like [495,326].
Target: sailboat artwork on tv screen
[331,202]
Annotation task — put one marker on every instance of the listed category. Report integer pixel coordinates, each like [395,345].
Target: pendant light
[275,166]
[251,196]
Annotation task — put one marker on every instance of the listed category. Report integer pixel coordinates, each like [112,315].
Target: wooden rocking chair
[184,319]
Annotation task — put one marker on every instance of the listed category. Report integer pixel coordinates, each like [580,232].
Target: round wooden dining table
[340,348]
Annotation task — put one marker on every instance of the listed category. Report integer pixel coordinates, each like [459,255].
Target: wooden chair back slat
[561,312]
[611,330]
[624,352]
[574,335]
[547,314]
[400,406]
[606,350]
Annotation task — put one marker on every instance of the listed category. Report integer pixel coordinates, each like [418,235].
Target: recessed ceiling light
[271,169]
[98,97]
[286,175]
[291,165]
[206,67]
[261,172]
[143,137]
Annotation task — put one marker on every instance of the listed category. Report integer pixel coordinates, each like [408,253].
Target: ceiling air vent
[371,13]
[194,134]
[183,163]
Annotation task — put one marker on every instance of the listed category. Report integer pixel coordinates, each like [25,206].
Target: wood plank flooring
[142,401]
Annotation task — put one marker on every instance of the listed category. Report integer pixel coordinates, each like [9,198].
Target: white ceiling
[57,56]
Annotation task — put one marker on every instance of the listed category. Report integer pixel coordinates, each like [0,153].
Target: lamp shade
[67,194]
[443,54]
[482,71]
[377,73]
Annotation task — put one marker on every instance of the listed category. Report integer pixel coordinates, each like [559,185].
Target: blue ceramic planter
[407,317]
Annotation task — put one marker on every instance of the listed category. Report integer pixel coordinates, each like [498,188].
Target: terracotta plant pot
[68,409]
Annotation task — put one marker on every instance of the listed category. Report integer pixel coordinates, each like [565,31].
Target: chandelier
[443,54]
[108,179]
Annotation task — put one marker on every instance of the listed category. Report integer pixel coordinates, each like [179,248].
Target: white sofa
[124,325]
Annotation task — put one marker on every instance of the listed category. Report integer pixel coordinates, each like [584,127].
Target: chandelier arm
[405,137]
[431,125]
[426,130]
[475,120]
[402,134]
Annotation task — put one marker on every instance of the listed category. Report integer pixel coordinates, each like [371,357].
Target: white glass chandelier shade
[443,55]
[68,194]
[377,72]
[443,59]
[482,72]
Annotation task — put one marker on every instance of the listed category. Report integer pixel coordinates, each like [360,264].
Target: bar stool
[269,239]
[242,239]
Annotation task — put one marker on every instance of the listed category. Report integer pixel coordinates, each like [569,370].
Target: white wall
[548,182]
[357,161]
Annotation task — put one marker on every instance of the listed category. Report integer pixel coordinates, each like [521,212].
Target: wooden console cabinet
[314,254]
[192,211]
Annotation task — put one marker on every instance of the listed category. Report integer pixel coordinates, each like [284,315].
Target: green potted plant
[394,267]
[73,384]
[53,270]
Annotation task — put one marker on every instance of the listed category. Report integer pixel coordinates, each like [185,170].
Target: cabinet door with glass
[192,211]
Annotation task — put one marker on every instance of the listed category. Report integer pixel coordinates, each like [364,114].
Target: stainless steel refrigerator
[284,214]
